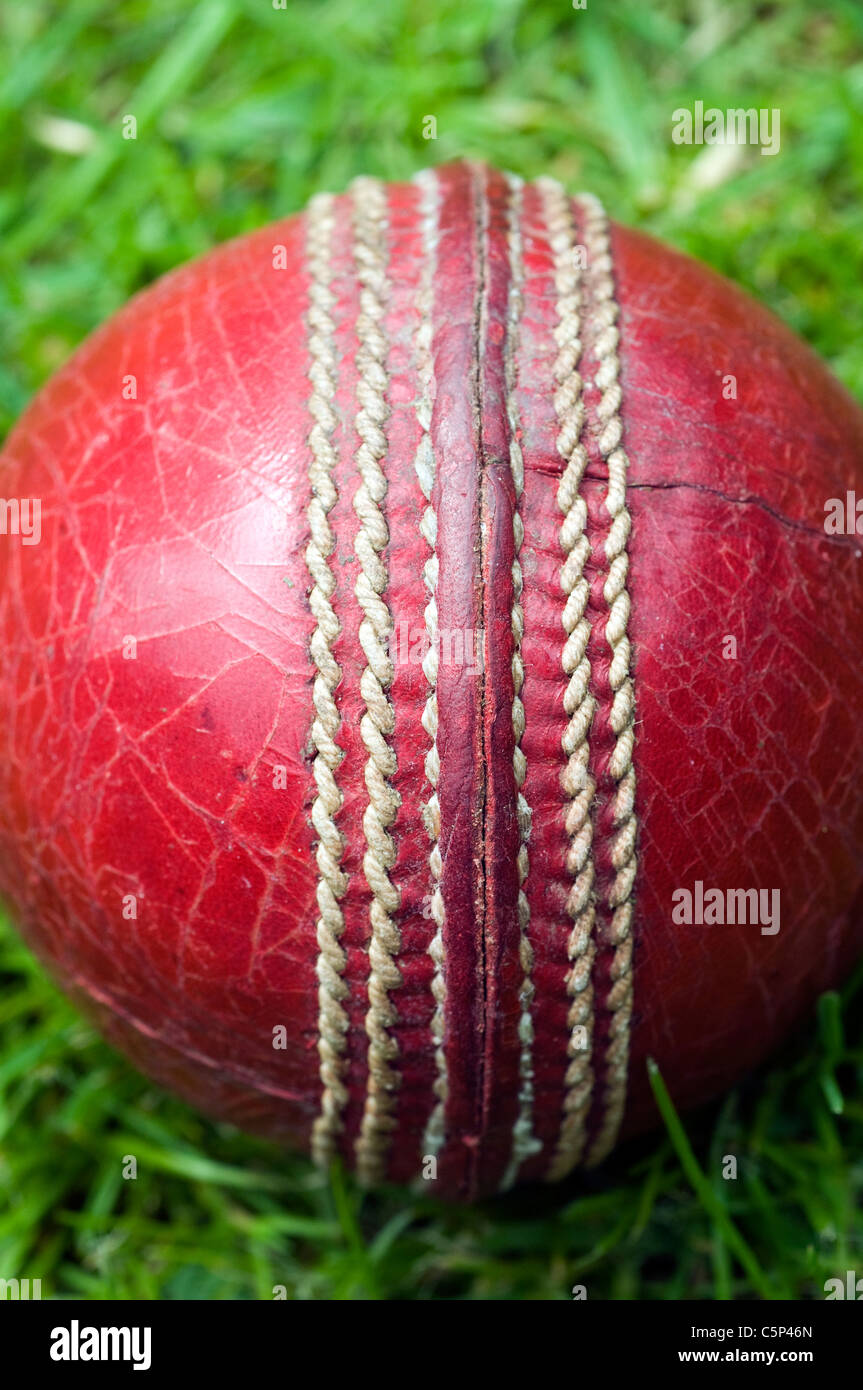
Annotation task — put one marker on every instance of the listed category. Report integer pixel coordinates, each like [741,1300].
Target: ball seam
[579,703]
[617,928]
[524,1141]
[369,223]
[332,881]
[434,1134]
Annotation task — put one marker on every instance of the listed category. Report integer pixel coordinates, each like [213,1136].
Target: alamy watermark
[737,126]
[21,516]
[16,1290]
[77,1343]
[718,907]
[843,516]
[410,644]
[851,1287]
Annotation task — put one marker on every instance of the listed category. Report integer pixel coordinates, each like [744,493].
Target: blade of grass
[708,1198]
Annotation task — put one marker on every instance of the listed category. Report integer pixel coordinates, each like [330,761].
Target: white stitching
[378,722]
[579,704]
[622,716]
[332,881]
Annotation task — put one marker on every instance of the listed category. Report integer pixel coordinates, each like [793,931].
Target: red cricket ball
[434,689]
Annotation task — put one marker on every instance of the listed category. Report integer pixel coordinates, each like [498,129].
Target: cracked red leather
[156,688]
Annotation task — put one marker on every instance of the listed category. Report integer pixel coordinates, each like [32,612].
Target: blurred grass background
[243,112]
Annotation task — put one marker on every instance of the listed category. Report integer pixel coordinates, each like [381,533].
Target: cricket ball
[429,685]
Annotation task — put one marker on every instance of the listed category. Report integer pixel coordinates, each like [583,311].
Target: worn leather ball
[429,685]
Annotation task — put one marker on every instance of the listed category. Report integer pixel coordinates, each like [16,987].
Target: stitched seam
[579,704]
[480,227]
[378,722]
[524,1142]
[424,463]
[332,881]
[618,932]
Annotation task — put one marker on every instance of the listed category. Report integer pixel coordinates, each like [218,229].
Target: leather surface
[749,769]
[179,519]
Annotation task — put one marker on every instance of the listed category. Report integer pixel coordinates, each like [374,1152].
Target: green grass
[213,1214]
[243,112]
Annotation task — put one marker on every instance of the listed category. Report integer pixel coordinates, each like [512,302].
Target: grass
[243,111]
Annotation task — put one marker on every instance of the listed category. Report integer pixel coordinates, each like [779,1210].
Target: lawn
[243,111]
